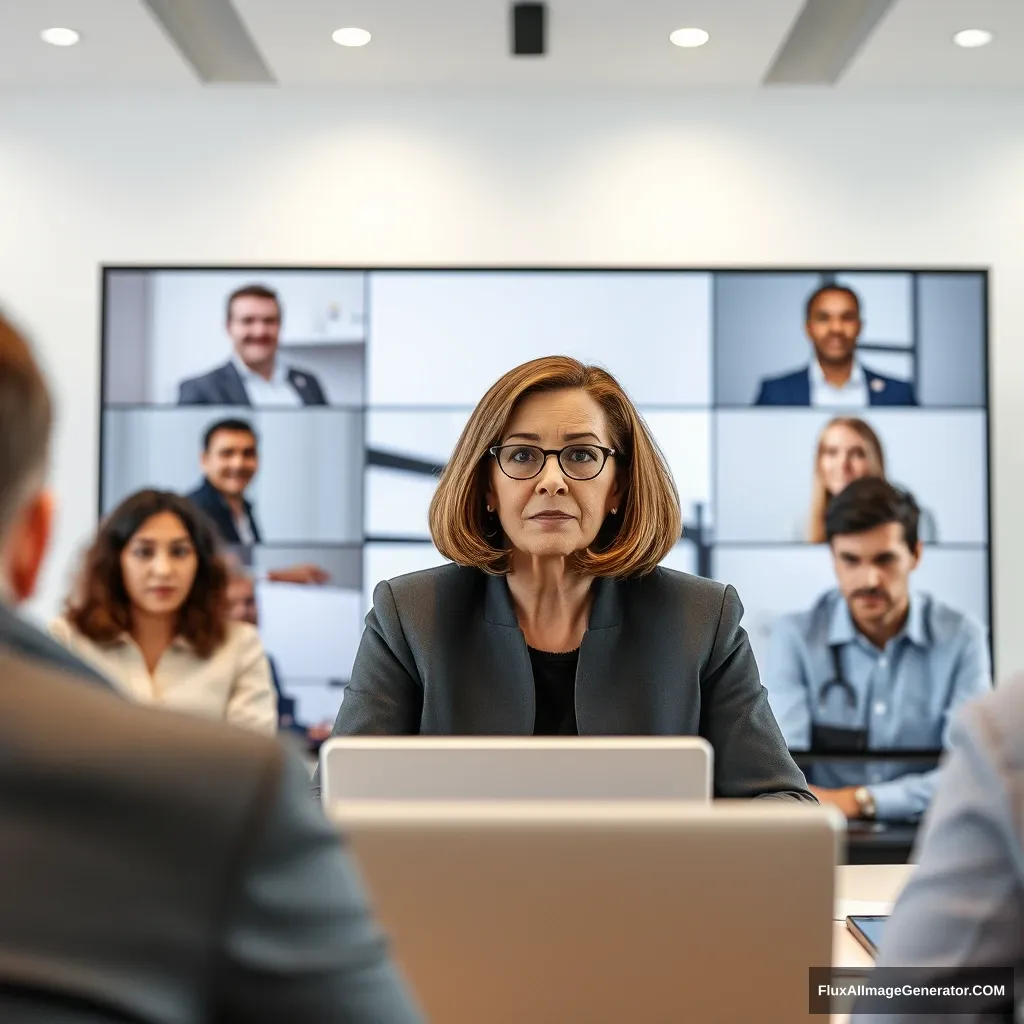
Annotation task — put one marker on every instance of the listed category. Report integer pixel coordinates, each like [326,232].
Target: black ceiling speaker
[528,25]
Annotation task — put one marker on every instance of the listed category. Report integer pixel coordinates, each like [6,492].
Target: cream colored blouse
[232,685]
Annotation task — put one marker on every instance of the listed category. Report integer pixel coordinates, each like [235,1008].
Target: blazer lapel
[300,382]
[217,509]
[603,707]
[235,393]
[803,395]
[502,676]
[252,522]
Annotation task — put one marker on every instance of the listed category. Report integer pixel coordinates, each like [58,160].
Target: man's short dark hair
[825,289]
[233,424]
[253,291]
[871,502]
[26,420]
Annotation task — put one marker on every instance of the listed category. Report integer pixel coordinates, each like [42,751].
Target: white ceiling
[121,45]
[621,43]
[912,45]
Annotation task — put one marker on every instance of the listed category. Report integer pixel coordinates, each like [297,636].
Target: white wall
[549,178]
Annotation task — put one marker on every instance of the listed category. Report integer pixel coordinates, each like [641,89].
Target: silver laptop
[601,913]
[515,768]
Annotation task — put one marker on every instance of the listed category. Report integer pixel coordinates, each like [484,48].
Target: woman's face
[845,457]
[553,515]
[158,565]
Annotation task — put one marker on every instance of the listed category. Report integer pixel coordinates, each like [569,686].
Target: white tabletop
[862,889]
[870,883]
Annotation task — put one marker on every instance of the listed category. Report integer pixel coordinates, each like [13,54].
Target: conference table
[861,889]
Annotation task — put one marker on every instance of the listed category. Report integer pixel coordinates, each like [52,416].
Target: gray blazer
[224,386]
[165,869]
[963,908]
[663,655]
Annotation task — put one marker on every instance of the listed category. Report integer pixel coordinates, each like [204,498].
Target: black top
[554,679]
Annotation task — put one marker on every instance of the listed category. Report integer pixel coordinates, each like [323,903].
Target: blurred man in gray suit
[960,920]
[156,868]
[254,375]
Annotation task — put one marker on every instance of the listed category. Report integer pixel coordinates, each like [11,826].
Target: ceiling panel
[913,46]
[429,42]
[121,44]
[824,39]
[618,43]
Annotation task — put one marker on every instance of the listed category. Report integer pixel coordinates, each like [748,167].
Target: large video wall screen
[719,363]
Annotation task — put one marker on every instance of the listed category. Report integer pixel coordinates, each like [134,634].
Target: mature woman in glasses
[555,618]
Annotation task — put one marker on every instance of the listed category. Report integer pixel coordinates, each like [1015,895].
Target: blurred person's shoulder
[996,719]
[76,738]
[60,646]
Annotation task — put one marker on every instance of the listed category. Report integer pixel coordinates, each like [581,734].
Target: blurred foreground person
[157,867]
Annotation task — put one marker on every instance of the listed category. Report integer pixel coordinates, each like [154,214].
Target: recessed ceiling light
[971,37]
[689,37]
[351,36]
[59,36]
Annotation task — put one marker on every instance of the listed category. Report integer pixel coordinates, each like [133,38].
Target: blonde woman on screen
[848,449]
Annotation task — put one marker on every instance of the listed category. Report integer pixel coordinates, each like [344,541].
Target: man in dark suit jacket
[834,378]
[230,461]
[157,867]
[254,375]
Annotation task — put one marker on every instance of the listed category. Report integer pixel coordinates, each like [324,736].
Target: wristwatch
[865,802]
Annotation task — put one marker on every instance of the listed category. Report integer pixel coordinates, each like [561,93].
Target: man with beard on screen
[835,378]
[873,665]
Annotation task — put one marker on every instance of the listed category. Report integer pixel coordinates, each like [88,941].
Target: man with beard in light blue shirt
[872,665]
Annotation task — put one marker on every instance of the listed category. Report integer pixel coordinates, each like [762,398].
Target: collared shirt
[243,526]
[262,392]
[904,694]
[233,684]
[852,395]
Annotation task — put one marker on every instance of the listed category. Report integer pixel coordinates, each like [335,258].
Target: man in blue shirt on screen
[835,378]
[873,666]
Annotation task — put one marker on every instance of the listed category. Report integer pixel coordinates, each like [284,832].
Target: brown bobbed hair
[630,543]
[100,607]
[820,496]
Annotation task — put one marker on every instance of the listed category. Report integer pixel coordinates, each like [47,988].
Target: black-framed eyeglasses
[525,461]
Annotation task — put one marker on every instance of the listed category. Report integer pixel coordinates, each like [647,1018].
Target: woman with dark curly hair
[150,612]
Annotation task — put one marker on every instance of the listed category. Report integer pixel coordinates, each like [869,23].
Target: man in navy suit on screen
[254,375]
[835,378]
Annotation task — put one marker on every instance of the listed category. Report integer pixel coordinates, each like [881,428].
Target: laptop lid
[601,912]
[515,768]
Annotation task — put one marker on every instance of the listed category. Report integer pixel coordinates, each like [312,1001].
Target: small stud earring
[614,511]
[489,509]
